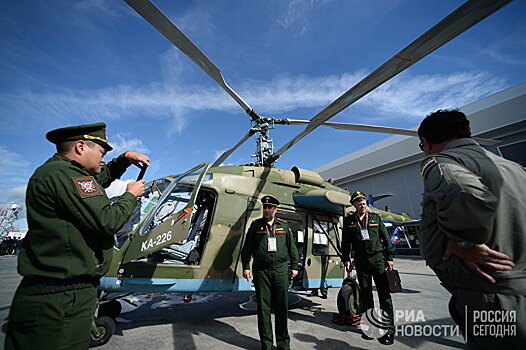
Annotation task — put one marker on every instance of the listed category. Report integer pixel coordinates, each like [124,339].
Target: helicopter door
[168,223]
[319,250]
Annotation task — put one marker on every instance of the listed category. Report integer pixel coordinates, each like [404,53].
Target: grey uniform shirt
[472,195]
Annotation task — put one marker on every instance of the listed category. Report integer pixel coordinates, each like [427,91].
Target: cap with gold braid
[90,132]
[357,195]
[269,200]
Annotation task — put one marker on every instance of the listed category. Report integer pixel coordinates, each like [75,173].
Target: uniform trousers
[53,320]
[373,267]
[272,286]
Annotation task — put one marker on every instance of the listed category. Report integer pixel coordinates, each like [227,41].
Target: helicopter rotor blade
[166,27]
[226,154]
[457,22]
[382,129]
[359,127]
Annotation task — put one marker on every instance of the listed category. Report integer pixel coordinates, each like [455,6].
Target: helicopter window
[320,242]
[174,198]
[147,201]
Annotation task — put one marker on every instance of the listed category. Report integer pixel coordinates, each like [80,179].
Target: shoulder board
[374,212]
[427,165]
[278,219]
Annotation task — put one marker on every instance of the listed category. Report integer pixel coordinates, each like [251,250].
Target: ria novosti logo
[408,323]
[413,323]
[375,323]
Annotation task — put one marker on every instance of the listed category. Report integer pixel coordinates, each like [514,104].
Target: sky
[66,63]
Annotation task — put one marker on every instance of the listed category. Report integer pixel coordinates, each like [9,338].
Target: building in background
[392,166]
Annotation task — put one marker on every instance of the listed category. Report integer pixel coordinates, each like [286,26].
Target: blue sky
[78,62]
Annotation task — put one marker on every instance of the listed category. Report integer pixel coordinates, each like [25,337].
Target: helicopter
[187,231]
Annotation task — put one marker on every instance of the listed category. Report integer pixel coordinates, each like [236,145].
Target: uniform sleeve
[91,213]
[248,247]
[293,250]
[465,207]
[112,170]
[346,242]
[388,245]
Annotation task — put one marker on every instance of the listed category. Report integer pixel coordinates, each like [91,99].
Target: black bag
[395,284]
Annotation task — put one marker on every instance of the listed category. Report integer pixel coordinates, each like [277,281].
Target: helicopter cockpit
[189,250]
[163,200]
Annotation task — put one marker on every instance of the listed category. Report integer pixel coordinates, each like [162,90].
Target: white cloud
[123,142]
[97,6]
[412,97]
[12,167]
[296,16]
[501,53]
[295,12]
[405,96]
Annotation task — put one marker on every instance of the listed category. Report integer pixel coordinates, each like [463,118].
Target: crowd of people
[10,245]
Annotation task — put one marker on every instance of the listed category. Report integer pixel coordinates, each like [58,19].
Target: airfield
[216,320]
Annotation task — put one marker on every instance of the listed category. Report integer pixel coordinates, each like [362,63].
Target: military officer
[364,234]
[69,243]
[269,241]
[473,231]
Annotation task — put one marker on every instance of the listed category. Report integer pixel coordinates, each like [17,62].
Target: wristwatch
[466,245]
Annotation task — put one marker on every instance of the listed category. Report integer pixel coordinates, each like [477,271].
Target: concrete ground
[217,322]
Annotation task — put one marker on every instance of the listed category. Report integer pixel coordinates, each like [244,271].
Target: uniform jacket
[256,245]
[71,220]
[472,195]
[379,239]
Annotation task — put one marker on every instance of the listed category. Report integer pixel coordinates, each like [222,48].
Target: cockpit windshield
[163,198]
[147,202]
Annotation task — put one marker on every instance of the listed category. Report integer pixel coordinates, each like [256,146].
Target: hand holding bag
[395,284]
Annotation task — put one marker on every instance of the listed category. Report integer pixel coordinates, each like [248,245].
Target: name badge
[272,244]
[365,234]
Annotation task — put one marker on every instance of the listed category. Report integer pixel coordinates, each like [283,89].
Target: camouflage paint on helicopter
[190,240]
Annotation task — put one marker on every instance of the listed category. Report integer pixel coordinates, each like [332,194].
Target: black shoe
[366,337]
[314,293]
[323,296]
[387,339]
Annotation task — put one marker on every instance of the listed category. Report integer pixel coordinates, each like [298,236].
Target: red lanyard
[273,229]
[358,220]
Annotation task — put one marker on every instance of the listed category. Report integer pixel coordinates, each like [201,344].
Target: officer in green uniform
[69,243]
[364,234]
[270,243]
[473,231]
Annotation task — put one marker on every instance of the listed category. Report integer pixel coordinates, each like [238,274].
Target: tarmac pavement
[216,320]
